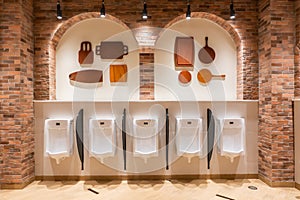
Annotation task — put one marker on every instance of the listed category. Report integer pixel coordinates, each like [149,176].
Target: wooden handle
[86,46]
[220,76]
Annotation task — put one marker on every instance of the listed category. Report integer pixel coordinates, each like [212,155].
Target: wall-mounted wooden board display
[111,50]
[184,51]
[86,78]
[118,73]
[86,54]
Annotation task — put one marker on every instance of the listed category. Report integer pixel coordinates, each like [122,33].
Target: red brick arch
[58,34]
[78,18]
[233,34]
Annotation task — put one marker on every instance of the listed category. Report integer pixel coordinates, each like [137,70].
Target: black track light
[102,10]
[232,11]
[58,11]
[188,10]
[145,13]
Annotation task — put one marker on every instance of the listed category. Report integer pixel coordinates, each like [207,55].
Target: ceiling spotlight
[58,11]
[232,11]
[102,10]
[144,13]
[188,11]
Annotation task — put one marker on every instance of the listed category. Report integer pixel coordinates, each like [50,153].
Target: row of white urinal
[230,137]
[59,138]
[102,138]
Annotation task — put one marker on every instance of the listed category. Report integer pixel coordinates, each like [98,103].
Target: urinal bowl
[232,155]
[231,142]
[102,138]
[188,137]
[58,135]
[58,157]
[145,143]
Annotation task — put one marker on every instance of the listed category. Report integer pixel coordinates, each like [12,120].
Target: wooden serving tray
[118,73]
[184,53]
[90,76]
[111,50]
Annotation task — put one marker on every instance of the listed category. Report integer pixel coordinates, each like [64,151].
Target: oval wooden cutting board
[86,77]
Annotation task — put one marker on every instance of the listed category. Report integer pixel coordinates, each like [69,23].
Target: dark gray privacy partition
[210,136]
[124,137]
[79,137]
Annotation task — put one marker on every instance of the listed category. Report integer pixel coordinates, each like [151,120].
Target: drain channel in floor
[224,197]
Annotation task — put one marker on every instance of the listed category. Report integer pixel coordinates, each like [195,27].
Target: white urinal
[188,137]
[58,138]
[231,141]
[102,137]
[145,142]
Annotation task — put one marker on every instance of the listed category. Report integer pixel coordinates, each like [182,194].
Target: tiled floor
[139,190]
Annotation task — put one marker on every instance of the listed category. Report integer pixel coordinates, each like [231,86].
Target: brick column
[276,91]
[297,50]
[147,75]
[16,92]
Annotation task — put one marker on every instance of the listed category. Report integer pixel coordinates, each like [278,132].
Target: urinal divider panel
[210,136]
[79,137]
[167,139]
[124,137]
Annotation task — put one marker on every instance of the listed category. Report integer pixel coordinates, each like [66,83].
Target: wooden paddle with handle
[206,54]
[204,76]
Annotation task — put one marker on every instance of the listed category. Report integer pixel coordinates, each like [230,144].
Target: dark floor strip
[90,189]
[218,195]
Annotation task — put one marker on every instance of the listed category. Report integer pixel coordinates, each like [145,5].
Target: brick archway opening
[57,37]
[233,34]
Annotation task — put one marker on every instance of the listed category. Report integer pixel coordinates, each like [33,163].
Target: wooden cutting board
[184,51]
[111,50]
[87,76]
[86,54]
[184,77]
[118,73]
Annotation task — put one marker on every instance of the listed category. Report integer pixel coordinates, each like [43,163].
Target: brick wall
[146,76]
[1,53]
[16,91]
[275,47]
[297,50]
[160,14]
[276,90]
